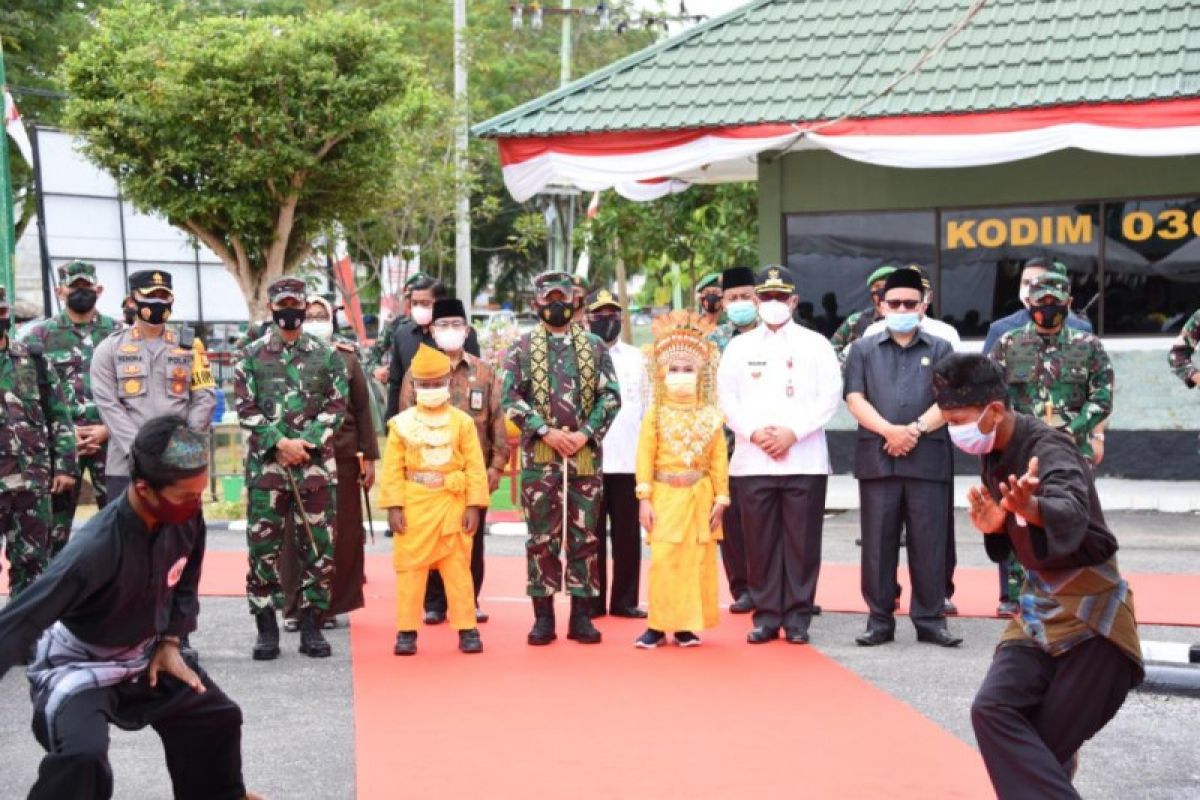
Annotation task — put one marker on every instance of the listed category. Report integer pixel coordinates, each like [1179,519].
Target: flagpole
[7,229]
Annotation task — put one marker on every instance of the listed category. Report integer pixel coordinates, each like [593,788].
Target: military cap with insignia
[553,281]
[1051,284]
[149,280]
[415,277]
[775,278]
[74,271]
[602,298]
[285,288]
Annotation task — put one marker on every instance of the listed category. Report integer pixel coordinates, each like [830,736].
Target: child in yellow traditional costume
[433,484]
[682,481]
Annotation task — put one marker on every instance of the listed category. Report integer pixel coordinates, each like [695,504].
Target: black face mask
[153,312]
[711,303]
[607,328]
[557,313]
[1049,316]
[288,319]
[81,301]
[5,323]
[130,313]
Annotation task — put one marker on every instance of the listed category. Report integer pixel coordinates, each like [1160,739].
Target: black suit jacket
[409,336]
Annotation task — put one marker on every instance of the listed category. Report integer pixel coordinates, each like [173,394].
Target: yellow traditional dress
[682,469]
[433,469]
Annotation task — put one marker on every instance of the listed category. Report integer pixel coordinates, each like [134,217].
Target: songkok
[429,364]
[906,278]
[736,277]
[448,307]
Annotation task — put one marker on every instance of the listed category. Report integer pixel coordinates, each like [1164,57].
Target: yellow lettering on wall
[958,233]
[1074,230]
[1175,224]
[1023,231]
[992,233]
[1137,226]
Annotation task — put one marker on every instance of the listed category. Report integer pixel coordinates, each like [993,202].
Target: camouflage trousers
[25,532]
[271,516]
[541,497]
[63,505]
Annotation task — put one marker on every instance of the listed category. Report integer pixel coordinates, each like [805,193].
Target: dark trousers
[435,590]
[619,521]
[918,506]
[349,560]
[733,546]
[782,520]
[951,547]
[201,736]
[1034,711]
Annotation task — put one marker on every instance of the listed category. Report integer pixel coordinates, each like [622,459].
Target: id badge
[476,400]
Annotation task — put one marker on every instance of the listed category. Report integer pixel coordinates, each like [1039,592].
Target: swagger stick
[366,497]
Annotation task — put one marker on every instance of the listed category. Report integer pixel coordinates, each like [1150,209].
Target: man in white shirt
[618,518]
[779,386]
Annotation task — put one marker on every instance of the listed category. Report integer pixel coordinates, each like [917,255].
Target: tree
[255,135]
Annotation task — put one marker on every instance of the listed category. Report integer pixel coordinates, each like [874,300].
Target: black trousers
[782,520]
[201,736]
[951,547]
[919,506]
[435,590]
[733,546]
[1034,711]
[618,521]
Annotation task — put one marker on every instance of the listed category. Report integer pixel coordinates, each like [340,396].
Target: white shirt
[757,371]
[934,327]
[621,441]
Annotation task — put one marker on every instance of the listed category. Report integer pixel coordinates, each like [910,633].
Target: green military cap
[1050,283]
[775,278]
[880,274]
[76,270]
[711,279]
[3,297]
[416,276]
[285,288]
[602,298]
[148,280]
[553,281]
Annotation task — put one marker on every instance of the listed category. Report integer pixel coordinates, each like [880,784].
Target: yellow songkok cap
[429,364]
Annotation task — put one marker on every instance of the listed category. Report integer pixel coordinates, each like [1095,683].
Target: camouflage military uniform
[296,391]
[565,381]
[382,346]
[26,463]
[1183,349]
[69,347]
[850,331]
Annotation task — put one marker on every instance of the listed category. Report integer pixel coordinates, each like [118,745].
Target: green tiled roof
[805,60]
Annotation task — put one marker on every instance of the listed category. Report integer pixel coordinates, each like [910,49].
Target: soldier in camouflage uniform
[560,389]
[855,325]
[291,396]
[34,411]
[69,340]
[1182,351]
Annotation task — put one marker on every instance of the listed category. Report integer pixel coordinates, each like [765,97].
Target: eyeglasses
[444,324]
[907,305]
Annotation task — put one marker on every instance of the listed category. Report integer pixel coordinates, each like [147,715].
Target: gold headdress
[683,335]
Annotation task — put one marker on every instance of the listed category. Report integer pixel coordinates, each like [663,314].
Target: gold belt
[431,480]
[679,479]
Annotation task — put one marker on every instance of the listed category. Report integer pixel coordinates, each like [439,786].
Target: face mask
[1049,316]
[970,439]
[154,312]
[322,329]
[288,319]
[557,313]
[433,398]
[130,313]
[450,340]
[422,315]
[741,312]
[170,513]
[774,312]
[904,322]
[680,385]
[607,328]
[711,303]
[81,301]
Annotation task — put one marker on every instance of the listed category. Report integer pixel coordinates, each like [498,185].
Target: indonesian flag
[16,129]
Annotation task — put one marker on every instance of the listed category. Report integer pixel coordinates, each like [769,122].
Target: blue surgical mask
[741,312]
[905,322]
[970,439]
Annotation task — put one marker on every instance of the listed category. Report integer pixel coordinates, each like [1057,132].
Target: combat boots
[312,641]
[543,622]
[266,647]
[581,628]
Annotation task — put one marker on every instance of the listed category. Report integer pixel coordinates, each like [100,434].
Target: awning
[645,165]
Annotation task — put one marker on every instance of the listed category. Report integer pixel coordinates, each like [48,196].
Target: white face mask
[680,385]
[774,312]
[970,439]
[433,398]
[322,329]
[422,315]
[450,340]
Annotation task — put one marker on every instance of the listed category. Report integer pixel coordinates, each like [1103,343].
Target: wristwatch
[1097,437]
[922,428]
[542,431]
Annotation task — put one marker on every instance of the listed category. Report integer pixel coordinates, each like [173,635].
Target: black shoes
[312,641]
[406,644]
[949,609]
[481,616]
[761,635]
[686,639]
[941,637]
[874,638]
[816,611]
[580,628]
[266,646]
[469,641]
[743,604]
[629,613]
[435,617]
[650,640]
[542,632]
[796,636]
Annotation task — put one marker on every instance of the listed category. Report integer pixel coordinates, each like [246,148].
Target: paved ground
[299,734]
